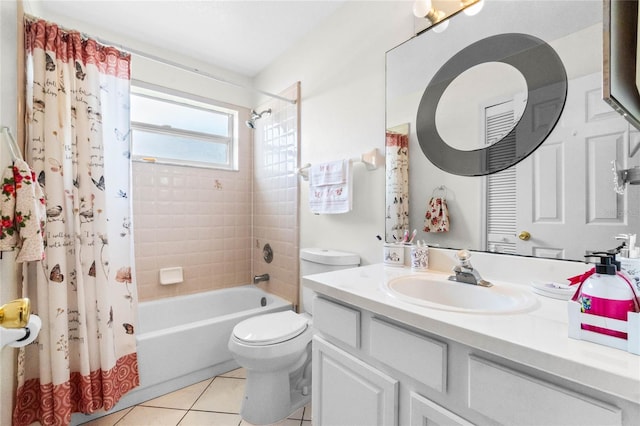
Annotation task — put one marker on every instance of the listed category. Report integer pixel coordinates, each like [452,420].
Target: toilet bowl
[275,349]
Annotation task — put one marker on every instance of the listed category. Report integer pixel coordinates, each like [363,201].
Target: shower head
[251,123]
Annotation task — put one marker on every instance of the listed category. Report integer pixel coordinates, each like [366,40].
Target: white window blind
[501,186]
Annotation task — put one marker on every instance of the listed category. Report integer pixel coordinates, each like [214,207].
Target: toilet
[275,349]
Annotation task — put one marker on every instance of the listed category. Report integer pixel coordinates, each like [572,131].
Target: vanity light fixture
[472,7]
[425,9]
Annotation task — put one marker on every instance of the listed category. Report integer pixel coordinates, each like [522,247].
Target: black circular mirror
[546,81]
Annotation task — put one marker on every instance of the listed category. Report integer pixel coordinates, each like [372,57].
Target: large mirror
[560,200]
[546,90]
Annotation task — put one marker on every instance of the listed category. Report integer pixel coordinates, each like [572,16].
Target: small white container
[393,254]
[419,258]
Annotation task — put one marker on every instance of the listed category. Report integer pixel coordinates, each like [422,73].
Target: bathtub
[183,340]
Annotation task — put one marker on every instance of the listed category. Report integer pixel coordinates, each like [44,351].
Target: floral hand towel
[23,213]
[437,216]
[8,232]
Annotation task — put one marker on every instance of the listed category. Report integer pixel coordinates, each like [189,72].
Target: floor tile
[199,418]
[225,395]
[108,420]
[152,416]
[307,412]
[298,414]
[181,399]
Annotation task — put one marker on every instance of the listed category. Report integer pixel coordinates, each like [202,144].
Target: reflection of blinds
[501,186]
[497,127]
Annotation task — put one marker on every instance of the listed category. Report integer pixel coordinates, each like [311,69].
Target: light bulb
[475,9]
[440,26]
[421,8]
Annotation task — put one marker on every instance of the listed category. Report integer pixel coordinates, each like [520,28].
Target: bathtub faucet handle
[258,278]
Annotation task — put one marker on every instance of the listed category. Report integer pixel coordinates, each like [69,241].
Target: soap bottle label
[610,308]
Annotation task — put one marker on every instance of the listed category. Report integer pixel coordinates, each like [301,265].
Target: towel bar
[372,160]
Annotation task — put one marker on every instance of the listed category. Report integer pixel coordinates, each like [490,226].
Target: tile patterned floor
[213,402]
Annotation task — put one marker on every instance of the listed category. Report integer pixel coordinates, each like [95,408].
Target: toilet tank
[317,260]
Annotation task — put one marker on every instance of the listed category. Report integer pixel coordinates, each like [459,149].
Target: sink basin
[437,292]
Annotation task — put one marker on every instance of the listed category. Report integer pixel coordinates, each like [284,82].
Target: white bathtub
[183,340]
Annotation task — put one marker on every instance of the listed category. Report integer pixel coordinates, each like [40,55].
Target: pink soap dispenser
[607,292]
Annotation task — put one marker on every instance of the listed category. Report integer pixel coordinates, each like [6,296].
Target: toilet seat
[270,329]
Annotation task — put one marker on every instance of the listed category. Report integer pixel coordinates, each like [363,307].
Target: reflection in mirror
[546,81]
[562,196]
[490,85]
[443,9]
[397,185]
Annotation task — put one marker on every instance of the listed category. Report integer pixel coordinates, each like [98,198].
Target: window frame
[168,95]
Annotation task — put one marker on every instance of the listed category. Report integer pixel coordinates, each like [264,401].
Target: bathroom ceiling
[239,35]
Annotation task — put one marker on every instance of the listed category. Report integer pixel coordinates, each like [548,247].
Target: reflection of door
[500,187]
[568,212]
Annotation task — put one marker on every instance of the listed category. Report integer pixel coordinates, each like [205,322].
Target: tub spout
[258,278]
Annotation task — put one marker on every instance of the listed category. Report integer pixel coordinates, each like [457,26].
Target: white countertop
[537,338]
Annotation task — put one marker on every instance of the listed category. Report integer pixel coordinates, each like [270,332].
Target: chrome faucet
[258,278]
[464,272]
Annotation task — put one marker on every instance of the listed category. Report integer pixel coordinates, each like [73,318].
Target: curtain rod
[193,70]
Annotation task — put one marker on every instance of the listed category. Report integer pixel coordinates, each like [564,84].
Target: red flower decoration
[8,188]
[17,177]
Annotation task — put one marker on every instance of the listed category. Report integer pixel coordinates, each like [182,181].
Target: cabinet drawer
[337,321]
[412,354]
[531,401]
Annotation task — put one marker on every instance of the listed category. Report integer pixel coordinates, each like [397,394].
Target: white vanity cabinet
[371,370]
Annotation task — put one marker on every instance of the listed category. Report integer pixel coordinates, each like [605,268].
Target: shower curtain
[77,134]
[397,166]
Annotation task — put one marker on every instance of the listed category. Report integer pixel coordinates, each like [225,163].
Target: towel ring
[442,189]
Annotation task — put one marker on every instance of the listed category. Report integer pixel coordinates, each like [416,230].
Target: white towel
[330,187]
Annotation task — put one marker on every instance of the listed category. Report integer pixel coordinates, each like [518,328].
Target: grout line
[182,418]
[214,411]
[229,377]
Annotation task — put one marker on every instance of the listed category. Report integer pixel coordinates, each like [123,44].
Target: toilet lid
[270,328]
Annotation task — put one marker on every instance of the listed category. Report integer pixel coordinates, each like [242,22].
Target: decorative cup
[393,254]
[419,258]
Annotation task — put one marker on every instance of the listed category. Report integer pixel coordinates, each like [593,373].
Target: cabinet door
[510,397]
[347,391]
[425,412]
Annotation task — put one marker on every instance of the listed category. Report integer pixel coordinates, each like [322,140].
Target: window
[175,128]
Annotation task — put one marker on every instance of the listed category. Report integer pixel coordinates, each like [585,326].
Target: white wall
[152,71]
[8,117]
[341,67]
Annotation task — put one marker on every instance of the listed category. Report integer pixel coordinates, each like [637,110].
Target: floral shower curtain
[77,127]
